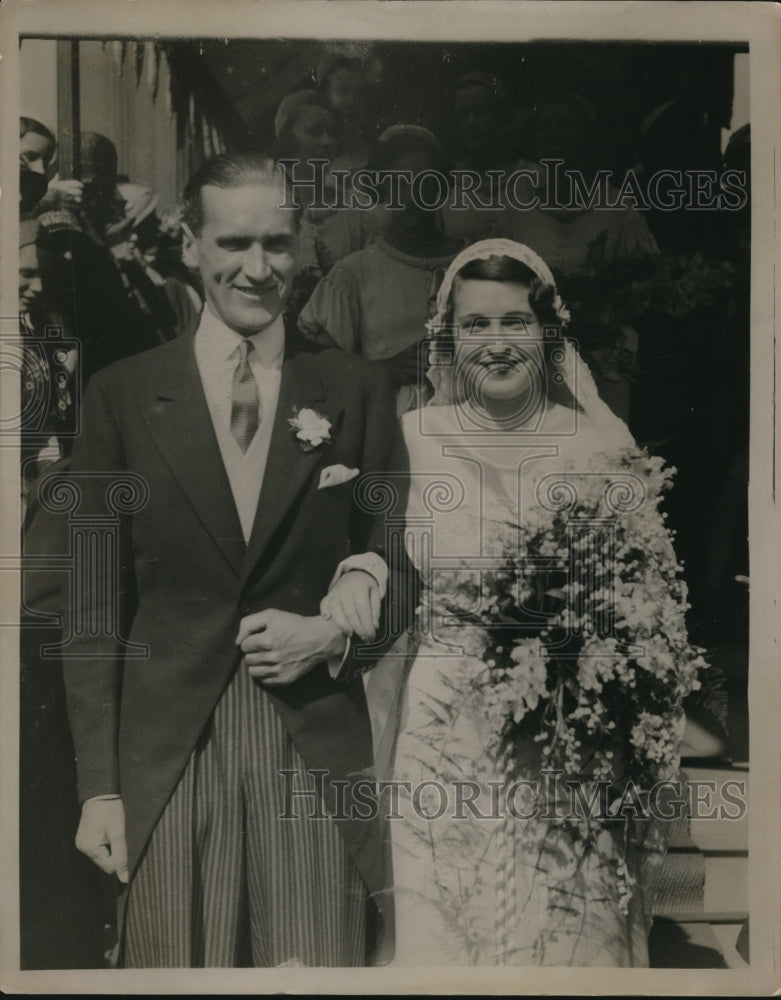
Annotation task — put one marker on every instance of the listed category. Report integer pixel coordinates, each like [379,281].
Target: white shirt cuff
[336,663]
[370,563]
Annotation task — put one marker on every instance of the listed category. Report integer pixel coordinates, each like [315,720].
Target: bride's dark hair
[510,271]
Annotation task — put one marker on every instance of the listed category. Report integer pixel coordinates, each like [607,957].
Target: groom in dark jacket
[215,711]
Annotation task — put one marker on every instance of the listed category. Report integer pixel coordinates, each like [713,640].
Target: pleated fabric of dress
[226,880]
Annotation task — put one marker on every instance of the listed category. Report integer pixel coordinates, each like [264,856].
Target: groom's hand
[101,835]
[279,647]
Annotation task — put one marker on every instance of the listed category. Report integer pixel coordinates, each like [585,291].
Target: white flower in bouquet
[655,737]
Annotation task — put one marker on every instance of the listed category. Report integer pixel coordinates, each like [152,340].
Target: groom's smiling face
[245,252]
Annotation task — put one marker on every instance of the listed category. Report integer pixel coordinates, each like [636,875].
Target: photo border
[446,21]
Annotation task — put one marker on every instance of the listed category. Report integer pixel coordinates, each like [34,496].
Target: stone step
[681,886]
[695,886]
[728,804]
[726,883]
[727,935]
[679,945]
[703,904]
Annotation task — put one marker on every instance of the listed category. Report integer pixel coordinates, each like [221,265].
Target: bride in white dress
[473,883]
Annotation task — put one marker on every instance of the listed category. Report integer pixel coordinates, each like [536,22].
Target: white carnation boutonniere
[311,428]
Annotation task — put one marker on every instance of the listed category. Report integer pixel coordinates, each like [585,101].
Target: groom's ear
[190,255]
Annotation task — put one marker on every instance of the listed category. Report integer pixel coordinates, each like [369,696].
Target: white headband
[482,251]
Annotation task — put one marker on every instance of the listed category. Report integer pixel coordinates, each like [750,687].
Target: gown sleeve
[334,309]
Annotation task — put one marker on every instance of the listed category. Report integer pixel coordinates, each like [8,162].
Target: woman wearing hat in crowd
[305,131]
[374,301]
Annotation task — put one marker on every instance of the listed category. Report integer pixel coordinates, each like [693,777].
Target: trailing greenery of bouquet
[578,638]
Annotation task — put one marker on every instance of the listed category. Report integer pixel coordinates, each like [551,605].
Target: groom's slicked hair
[230,170]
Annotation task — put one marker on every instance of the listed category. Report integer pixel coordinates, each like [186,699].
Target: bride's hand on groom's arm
[353,602]
[279,647]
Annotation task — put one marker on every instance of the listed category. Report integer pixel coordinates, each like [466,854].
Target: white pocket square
[335,475]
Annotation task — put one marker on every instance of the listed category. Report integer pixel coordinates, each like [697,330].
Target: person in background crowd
[678,135]
[481,117]
[36,150]
[82,287]
[39,189]
[480,113]
[576,240]
[304,126]
[161,256]
[375,301]
[29,274]
[168,259]
[101,204]
[47,372]
[37,145]
[342,82]
[83,293]
[305,130]
[166,304]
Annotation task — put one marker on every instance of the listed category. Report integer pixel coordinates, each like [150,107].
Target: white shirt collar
[219,341]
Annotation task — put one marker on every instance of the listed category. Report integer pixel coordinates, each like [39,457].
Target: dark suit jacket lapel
[289,466]
[178,419]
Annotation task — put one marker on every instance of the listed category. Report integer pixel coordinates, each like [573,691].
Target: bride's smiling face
[498,355]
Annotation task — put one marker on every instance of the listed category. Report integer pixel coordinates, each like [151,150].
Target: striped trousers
[224,880]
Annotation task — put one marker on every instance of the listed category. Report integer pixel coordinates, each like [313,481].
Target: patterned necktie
[245,406]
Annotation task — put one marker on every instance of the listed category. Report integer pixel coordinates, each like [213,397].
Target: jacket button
[244,609]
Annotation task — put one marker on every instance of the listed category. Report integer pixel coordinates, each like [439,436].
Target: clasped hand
[279,647]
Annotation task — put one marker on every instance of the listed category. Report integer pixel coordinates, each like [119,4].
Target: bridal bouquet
[575,640]
[581,629]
